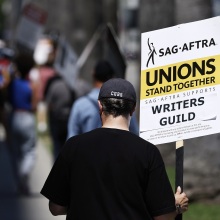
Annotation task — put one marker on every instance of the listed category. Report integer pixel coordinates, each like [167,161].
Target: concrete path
[34,207]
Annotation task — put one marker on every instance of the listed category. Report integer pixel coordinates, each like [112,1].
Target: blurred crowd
[29,82]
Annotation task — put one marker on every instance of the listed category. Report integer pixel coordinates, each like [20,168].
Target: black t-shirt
[110,174]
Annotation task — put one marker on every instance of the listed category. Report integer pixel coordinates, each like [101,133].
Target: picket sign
[180,85]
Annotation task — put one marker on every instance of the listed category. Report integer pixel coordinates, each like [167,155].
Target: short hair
[117,107]
[103,71]
[24,63]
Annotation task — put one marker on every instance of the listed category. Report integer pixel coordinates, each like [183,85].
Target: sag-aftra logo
[187,46]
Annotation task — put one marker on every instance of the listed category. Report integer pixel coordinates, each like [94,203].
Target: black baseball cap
[118,88]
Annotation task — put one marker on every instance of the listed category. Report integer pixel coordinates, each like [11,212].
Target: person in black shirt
[109,172]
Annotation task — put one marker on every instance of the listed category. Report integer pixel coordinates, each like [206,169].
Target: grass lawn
[197,210]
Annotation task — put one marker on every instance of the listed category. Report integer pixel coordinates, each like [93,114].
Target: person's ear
[100,107]
[131,113]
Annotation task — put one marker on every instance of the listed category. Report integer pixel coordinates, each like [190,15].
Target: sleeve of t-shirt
[160,198]
[57,185]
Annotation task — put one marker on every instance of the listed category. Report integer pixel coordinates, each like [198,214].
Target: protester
[109,172]
[84,114]
[59,98]
[23,100]
[6,70]
[55,94]
[44,56]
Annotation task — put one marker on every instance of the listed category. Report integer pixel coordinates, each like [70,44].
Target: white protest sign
[180,82]
[31,25]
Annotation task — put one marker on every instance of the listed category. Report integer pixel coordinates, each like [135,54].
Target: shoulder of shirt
[78,140]
[147,144]
[72,142]
[79,137]
[98,130]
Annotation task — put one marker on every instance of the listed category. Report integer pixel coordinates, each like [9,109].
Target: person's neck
[119,122]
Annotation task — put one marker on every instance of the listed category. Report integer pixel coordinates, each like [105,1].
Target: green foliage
[171,175]
[197,210]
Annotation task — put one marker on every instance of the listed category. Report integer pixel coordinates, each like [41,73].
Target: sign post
[180,85]
[179,168]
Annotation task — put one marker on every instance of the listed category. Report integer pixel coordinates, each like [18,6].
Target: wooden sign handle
[179,168]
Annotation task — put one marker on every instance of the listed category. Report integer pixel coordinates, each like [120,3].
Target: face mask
[42,52]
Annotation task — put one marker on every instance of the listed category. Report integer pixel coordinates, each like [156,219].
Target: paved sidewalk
[35,207]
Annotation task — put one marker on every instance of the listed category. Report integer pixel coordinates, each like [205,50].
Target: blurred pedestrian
[84,114]
[59,99]
[6,70]
[56,96]
[23,100]
[44,57]
[111,173]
